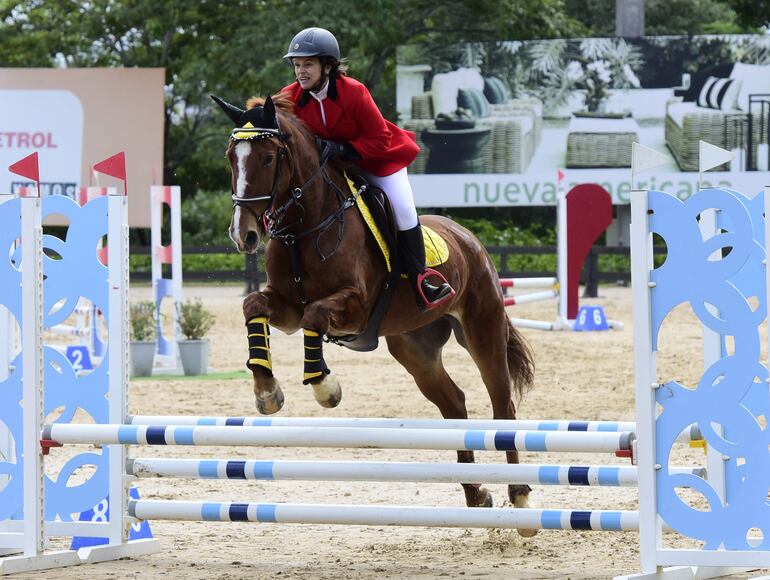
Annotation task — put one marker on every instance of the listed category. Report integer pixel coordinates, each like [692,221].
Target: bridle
[253,134]
[272,218]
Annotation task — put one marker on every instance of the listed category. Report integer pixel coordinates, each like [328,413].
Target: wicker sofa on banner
[718,107]
[515,124]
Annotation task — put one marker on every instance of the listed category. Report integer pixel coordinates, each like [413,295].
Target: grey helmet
[313,42]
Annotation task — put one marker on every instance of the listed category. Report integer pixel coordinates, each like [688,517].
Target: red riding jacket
[352,115]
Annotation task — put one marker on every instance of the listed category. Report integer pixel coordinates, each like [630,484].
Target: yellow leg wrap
[315,366]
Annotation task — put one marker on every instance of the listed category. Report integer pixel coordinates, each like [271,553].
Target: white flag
[643,158]
[712,156]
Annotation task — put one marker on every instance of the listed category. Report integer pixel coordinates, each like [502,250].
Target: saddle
[378,215]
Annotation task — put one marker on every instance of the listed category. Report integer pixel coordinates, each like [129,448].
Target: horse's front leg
[258,309]
[343,311]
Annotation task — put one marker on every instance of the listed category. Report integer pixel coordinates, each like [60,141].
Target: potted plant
[141,352]
[194,322]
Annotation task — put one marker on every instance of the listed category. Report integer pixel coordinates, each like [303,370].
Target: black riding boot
[412,251]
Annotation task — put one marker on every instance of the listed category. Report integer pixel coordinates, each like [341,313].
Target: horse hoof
[522,501]
[271,403]
[327,392]
[477,496]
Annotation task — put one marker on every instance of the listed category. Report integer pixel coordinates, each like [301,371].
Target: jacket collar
[332,93]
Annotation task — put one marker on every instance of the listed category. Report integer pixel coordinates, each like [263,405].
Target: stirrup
[427,304]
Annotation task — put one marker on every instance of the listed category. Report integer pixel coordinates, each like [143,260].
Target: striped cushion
[719,93]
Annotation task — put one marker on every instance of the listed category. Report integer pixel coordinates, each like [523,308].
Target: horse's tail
[521,364]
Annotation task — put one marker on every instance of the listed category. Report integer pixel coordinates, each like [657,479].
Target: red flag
[27,167]
[114,166]
[559,175]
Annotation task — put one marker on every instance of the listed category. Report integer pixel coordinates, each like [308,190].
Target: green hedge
[491,234]
[195,263]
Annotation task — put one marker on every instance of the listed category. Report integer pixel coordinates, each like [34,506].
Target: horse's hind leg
[419,352]
[503,359]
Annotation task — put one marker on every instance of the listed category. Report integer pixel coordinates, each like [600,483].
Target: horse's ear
[268,113]
[230,110]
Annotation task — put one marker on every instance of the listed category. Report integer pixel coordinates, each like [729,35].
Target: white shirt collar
[320,94]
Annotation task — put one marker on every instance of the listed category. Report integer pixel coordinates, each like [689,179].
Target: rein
[272,218]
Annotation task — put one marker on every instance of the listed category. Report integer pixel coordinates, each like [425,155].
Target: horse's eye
[269,159]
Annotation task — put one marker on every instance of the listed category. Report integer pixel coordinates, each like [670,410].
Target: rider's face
[308,72]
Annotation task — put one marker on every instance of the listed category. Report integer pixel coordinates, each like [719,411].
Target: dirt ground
[578,376]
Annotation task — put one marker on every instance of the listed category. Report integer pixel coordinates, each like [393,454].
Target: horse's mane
[281,101]
[284,106]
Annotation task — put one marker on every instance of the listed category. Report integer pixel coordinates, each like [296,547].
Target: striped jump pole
[383,422]
[535,324]
[531,297]
[363,515]
[390,471]
[364,437]
[536,282]
[691,433]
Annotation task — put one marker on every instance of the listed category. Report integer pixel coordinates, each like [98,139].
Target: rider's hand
[345,151]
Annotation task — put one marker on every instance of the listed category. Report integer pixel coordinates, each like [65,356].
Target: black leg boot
[430,287]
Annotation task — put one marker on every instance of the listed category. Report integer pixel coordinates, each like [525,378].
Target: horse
[325,269]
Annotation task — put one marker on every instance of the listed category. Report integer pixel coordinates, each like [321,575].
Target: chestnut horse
[325,272]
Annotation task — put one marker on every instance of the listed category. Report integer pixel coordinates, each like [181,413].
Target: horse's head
[259,166]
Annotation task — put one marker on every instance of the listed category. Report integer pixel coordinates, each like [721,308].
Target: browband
[251,133]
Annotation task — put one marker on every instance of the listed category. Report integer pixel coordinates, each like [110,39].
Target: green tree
[662,17]
[752,13]
[689,17]
[233,49]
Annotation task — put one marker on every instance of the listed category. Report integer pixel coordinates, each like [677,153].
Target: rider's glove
[332,149]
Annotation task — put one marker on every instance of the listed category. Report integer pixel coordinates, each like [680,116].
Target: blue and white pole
[363,437]
[389,471]
[362,515]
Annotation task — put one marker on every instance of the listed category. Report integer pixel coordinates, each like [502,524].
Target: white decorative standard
[729,399]
[7,350]
[48,503]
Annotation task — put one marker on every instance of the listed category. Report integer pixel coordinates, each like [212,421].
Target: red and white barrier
[167,355]
[531,297]
[583,214]
[527,282]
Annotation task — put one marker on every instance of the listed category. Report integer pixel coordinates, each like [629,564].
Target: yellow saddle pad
[436,249]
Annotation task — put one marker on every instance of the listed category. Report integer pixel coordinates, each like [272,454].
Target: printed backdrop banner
[484,190]
[497,121]
[56,133]
[74,118]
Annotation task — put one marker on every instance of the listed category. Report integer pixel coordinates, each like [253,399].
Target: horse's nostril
[251,238]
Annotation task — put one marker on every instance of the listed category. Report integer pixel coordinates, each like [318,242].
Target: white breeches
[399,191]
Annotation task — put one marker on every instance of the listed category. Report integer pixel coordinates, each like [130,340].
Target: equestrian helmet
[313,42]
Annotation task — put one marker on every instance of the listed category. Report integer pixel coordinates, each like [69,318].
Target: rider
[341,111]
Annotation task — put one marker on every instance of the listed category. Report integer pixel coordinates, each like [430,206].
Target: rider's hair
[339,67]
